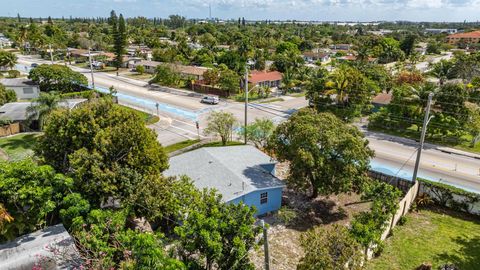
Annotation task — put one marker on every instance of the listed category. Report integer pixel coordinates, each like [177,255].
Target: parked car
[210,99]
[34,65]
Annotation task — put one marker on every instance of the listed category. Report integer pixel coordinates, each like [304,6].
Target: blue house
[239,173]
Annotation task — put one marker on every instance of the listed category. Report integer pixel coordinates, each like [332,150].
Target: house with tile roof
[239,173]
[466,38]
[265,78]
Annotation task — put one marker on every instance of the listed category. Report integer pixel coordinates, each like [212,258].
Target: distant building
[5,42]
[193,72]
[24,88]
[238,173]
[465,38]
[441,31]
[265,78]
[341,47]
[381,100]
[311,57]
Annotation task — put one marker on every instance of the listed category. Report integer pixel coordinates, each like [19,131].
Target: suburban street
[179,110]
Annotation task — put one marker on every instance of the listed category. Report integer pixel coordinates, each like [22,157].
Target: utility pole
[51,52]
[426,119]
[265,245]
[91,68]
[246,102]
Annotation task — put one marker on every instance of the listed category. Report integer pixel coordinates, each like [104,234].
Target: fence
[10,129]
[400,183]
[209,90]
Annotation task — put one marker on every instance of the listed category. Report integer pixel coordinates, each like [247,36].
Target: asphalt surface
[180,110]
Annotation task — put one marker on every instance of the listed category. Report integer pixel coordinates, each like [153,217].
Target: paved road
[392,154]
[397,158]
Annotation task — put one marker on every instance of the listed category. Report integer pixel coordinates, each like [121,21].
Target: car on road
[210,99]
[34,65]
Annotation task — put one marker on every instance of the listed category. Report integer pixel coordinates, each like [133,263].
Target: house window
[28,90]
[264,198]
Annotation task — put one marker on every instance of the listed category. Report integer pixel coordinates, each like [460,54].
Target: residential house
[441,30]
[24,88]
[465,38]
[5,42]
[381,100]
[341,47]
[52,242]
[150,66]
[186,72]
[239,173]
[17,112]
[265,78]
[311,57]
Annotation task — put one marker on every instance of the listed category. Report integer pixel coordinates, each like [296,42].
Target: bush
[13,73]
[30,194]
[140,69]
[287,215]
[443,196]
[330,248]
[368,227]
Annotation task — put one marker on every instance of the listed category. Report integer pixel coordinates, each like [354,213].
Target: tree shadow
[469,251]
[20,142]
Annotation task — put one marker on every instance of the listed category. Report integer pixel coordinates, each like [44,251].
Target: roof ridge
[225,165]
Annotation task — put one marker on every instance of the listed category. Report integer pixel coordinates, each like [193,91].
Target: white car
[210,99]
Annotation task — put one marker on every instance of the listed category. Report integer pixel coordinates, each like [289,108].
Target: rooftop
[17,111]
[23,252]
[17,82]
[473,34]
[233,171]
[264,76]
[382,98]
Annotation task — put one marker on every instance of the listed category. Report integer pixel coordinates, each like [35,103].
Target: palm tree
[7,59]
[442,70]
[42,106]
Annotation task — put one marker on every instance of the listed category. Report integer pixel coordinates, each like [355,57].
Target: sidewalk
[411,142]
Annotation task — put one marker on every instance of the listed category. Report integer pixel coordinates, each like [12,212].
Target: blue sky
[322,10]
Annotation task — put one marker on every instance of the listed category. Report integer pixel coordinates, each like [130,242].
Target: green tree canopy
[6,95]
[30,193]
[325,155]
[58,78]
[217,235]
[221,124]
[104,147]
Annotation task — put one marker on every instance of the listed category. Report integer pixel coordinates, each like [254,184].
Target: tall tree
[106,149]
[326,155]
[120,42]
[221,124]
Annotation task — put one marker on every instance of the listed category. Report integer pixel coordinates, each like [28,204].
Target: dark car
[34,65]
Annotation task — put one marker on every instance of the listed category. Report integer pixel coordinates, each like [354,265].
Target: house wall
[26,92]
[274,201]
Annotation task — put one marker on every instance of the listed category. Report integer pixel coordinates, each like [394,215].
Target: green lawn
[19,146]
[180,145]
[147,118]
[432,236]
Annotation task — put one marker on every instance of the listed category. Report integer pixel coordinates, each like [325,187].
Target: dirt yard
[284,234]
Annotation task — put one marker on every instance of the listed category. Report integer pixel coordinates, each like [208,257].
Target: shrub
[330,248]
[13,73]
[140,69]
[287,215]
[443,196]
